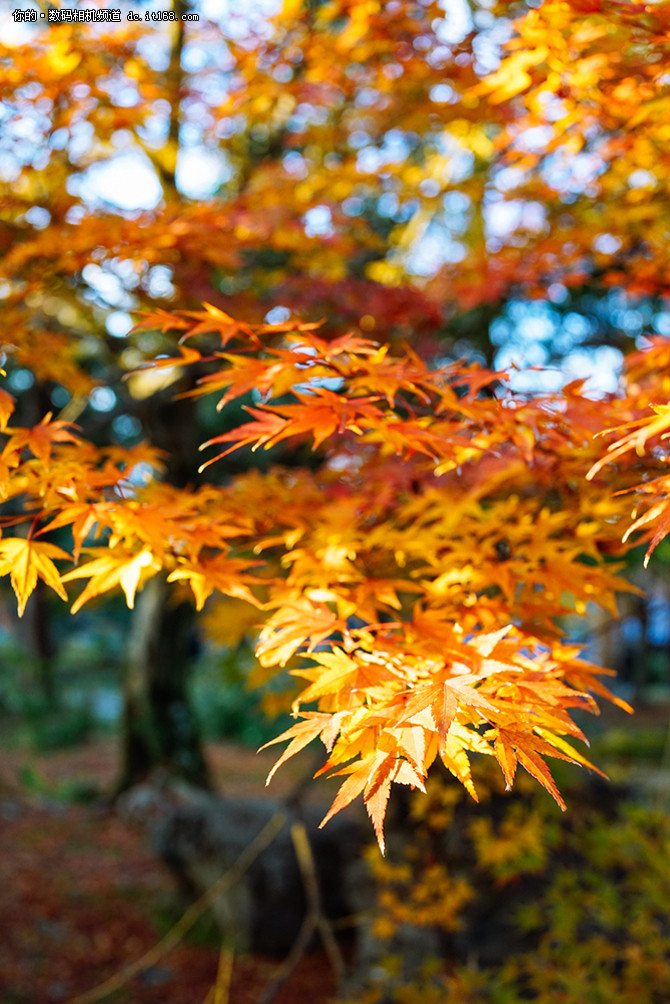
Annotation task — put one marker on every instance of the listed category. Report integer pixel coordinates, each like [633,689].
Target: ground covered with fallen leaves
[83,896]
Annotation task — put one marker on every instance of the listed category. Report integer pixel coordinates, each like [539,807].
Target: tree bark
[159,729]
[35,628]
[35,632]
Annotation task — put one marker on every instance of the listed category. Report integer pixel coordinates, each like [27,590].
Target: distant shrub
[524,904]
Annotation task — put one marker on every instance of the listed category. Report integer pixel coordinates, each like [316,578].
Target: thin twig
[315,920]
[186,922]
[307,865]
[220,992]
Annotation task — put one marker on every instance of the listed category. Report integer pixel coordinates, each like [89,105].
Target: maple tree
[77,260]
[581,158]
[418,572]
[413,561]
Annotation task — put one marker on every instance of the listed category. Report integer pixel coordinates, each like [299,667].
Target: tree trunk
[159,729]
[36,636]
[35,628]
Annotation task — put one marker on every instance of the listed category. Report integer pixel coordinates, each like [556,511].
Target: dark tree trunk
[37,639]
[35,627]
[159,729]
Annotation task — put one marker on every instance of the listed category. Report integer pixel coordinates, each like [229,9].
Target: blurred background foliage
[523,904]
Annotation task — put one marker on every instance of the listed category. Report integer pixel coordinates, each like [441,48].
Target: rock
[200,837]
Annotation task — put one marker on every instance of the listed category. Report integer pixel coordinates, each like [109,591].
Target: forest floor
[83,896]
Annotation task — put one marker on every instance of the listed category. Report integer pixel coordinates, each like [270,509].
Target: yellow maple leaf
[7,403]
[114,567]
[28,560]
[221,573]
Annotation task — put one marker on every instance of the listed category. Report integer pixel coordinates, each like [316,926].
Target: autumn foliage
[412,567]
[413,580]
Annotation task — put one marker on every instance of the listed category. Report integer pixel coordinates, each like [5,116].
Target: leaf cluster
[413,580]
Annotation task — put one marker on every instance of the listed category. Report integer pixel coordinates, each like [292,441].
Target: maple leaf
[248,374]
[265,428]
[213,319]
[187,357]
[300,734]
[298,622]
[338,673]
[560,744]
[160,320]
[321,413]
[371,777]
[525,748]
[196,322]
[434,705]
[659,514]
[222,573]
[644,429]
[82,518]
[40,440]
[113,566]
[454,756]
[7,405]
[26,560]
